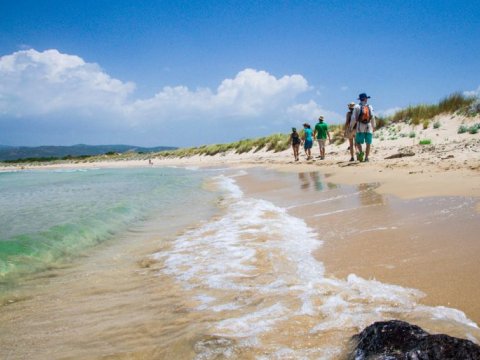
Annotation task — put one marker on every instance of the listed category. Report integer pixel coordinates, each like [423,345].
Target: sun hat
[320,118]
[351,105]
[363,96]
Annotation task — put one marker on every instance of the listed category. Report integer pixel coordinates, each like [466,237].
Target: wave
[29,253]
[254,265]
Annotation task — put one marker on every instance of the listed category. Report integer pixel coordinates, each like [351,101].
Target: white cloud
[53,87]
[310,111]
[39,83]
[344,88]
[473,92]
[388,112]
[250,94]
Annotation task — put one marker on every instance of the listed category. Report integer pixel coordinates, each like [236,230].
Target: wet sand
[428,243]
[119,303]
[111,303]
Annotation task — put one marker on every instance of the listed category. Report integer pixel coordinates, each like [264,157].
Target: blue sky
[187,73]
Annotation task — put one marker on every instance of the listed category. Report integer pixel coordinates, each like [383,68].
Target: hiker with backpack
[321,133]
[364,120]
[295,142]
[350,133]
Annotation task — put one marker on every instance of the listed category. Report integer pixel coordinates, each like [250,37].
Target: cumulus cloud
[250,94]
[311,111]
[39,83]
[50,85]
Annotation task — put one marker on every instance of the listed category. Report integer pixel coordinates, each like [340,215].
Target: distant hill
[24,152]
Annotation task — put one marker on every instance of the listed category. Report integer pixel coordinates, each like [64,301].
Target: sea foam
[259,259]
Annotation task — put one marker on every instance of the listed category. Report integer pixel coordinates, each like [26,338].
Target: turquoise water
[49,217]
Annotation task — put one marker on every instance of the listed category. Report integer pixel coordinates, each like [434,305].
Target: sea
[181,263]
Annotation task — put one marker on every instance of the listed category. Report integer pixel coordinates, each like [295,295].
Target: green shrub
[462,129]
[436,124]
[412,134]
[425,123]
[425,142]
[474,108]
[474,129]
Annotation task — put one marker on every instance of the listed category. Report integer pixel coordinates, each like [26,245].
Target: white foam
[261,258]
[254,323]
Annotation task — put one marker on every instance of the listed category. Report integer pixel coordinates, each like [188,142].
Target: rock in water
[392,340]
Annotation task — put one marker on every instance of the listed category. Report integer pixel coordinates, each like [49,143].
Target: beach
[289,261]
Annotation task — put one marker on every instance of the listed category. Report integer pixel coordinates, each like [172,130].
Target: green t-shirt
[321,128]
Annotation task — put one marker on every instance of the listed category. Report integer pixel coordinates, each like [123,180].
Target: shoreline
[449,166]
[427,243]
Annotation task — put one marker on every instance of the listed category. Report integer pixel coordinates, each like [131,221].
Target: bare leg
[352,149]
[367,151]
[295,151]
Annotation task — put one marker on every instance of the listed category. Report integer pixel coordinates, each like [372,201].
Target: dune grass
[275,143]
[422,113]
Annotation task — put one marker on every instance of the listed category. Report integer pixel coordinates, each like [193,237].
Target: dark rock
[395,340]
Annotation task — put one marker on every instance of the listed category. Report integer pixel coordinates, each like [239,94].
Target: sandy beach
[450,165]
[417,228]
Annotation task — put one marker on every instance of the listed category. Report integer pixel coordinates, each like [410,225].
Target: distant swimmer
[364,119]
[321,133]
[295,142]
[307,140]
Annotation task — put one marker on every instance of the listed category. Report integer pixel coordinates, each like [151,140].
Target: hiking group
[358,129]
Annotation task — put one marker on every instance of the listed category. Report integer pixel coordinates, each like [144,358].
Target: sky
[188,73]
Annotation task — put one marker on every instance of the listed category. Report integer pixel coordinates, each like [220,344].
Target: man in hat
[321,133]
[364,120]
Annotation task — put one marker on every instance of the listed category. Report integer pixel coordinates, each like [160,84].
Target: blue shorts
[308,144]
[361,138]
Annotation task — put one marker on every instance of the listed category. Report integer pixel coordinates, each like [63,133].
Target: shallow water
[49,218]
[244,281]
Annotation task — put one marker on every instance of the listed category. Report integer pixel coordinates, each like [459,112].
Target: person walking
[307,140]
[350,133]
[295,142]
[321,133]
[364,120]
